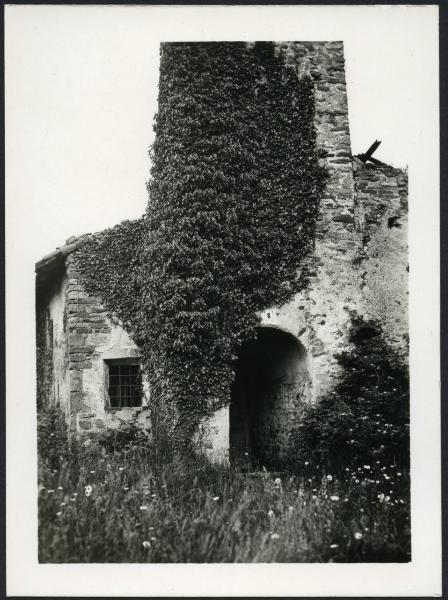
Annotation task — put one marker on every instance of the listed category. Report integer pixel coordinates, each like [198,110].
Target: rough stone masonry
[359,264]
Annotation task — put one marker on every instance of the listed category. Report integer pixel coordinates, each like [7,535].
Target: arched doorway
[270,385]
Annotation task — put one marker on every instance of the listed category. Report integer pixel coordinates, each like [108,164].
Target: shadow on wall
[271,384]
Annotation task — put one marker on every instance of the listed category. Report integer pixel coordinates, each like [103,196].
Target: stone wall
[381,269]
[360,261]
[320,315]
[92,339]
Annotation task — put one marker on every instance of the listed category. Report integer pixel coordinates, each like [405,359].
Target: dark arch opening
[271,381]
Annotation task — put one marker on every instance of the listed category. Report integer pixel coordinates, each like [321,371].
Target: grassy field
[98,505]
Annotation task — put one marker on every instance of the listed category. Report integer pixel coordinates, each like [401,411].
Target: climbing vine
[233,198]
[110,263]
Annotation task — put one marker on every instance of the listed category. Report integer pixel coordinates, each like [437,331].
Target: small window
[125,385]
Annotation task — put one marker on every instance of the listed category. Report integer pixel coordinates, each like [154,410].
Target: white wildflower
[271,514]
[334,498]
[144,507]
[329,477]
[334,546]
[88,489]
[358,535]
[274,536]
[146,544]
[215,498]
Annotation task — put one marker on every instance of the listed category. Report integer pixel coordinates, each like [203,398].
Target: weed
[127,505]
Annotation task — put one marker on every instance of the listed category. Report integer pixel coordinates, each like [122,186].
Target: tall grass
[126,505]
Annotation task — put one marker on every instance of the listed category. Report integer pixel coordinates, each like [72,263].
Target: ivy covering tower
[233,199]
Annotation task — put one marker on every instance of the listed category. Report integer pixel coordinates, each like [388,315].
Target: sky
[81,93]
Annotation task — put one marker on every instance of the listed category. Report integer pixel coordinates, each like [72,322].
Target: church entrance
[270,385]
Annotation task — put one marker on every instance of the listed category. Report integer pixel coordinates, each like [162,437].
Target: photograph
[219,281]
[262,299]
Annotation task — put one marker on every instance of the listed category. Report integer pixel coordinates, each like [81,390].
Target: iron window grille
[124,385]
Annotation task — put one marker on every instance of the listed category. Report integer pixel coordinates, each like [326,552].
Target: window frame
[126,361]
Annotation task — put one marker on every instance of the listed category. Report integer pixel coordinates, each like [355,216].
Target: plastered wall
[52,376]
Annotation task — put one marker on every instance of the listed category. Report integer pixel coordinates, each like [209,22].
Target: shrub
[365,417]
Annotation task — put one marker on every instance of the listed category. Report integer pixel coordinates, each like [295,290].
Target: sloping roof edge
[50,266]
[60,253]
